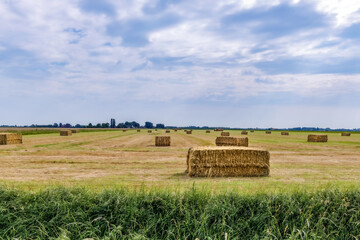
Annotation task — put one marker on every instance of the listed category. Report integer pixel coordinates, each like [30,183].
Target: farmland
[119,185]
[101,160]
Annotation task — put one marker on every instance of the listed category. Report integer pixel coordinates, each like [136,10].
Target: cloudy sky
[219,63]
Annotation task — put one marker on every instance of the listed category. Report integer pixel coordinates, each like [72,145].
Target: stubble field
[116,159]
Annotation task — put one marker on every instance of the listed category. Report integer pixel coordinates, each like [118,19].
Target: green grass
[64,213]
[34,132]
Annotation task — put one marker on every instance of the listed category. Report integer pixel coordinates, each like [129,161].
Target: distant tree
[160,125]
[135,124]
[105,125]
[128,124]
[90,125]
[149,125]
[121,125]
[78,126]
[56,125]
[98,125]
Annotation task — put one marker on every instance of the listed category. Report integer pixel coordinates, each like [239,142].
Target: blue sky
[217,63]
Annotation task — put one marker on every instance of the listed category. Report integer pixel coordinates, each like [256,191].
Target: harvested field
[114,158]
[225,134]
[227,162]
[317,138]
[162,141]
[65,132]
[232,141]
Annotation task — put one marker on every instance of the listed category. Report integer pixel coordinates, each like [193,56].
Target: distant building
[112,123]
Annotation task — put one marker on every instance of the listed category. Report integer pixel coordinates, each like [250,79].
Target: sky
[230,63]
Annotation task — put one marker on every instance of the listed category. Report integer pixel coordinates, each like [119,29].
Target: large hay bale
[232,141]
[75,130]
[268,132]
[10,138]
[65,132]
[149,131]
[244,133]
[167,131]
[227,162]
[138,130]
[207,131]
[317,138]
[188,131]
[162,141]
[346,134]
[225,134]
[285,133]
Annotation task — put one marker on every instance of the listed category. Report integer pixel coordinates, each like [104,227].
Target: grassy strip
[33,132]
[123,214]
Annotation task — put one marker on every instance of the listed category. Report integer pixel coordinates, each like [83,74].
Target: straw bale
[10,138]
[252,131]
[232,141]
[285,133]
[65,132]
[188,131]
[75,130]
[317,138]
[268,132]
[167,131]
[124,130]
[227,162]
[225,134]
[149,131]
[207,131]
[162,141]
[244,133]
[175,130]
[138,130]
[346,134]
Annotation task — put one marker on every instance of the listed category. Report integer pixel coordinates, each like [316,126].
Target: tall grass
[123,214]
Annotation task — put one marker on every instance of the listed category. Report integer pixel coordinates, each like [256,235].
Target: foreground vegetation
[63,213]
